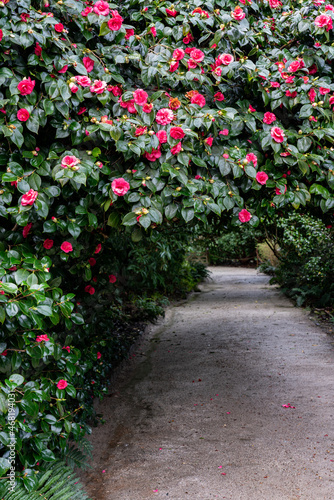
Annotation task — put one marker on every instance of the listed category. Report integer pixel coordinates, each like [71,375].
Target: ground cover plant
[124,118]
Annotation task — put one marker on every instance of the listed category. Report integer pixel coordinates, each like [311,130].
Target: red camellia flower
[115,23]
[176,149]
[23,115]
[244,215]
[29,198]
[92,261]
[88,63]
[24,17]
[26,230]
[178,54]
[296,65]
[224,132]
[101,8]
[112,278]
[280,191]
[98,87]
[140,131]
[90,289]
[251,109]
[62,384]
[176,133]
[1,35]
[324,90]
[209,141]
[140,97]
[4,353]
[67,348]
[154,155]
[59,27]
[129,33]
[198,99]
[153,31]
[26,86]
[324,21]
[261,177]
[87,11]
[275,4]
[162,136]
[171,12]
[173,66]
[147,108]
[238,14]
[219,97]
[120,186]
[269,118]
[66,247]
[42,338]
[48,244]
[164,116]
[277,134]
[312,95]
[98,248]
[98,355]
[84,81]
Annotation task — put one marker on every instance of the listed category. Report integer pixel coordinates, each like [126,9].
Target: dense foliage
[120,118]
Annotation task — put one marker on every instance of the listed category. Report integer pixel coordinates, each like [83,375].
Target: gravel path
[198,412]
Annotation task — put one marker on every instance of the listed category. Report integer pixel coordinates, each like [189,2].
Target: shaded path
[207,391]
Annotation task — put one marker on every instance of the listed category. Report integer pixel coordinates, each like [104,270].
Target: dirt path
[198,415]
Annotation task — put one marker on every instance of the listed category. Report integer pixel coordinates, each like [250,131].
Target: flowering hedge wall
[131,116]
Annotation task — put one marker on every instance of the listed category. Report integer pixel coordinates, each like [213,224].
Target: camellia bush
[122,118]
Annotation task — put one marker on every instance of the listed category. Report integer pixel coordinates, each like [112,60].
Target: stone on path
[230,397]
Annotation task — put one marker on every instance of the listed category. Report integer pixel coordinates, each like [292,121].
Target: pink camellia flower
[84,81]
[29,198]
[63,69]
[92,261]
[171,12]
[98,355]
[69,161]
[209,141]
[261,178]
[120,186]
[296,65]
[252,157]
[176,149]
[198,99]
[162,136]
[225,59]
[129,33]
[98,87]
[87,11]
[98,248]
[164,116]
[38,49]
[191,64]
[23,115]
[277,134]
[73,87]
[140,131]
[67,348]
[324,91]
[219,97]
[173,66]
[26,86]
[147,108]
[331,100]
[42,338]
[251,109]
[48,244]
[238,14]
[178,54]
[24,17]
[153,31]
[198,177]
[66,247]
[112,278]
[62,384]
[177,133]
[140,97]
[275,4]
[288,93]
[324,21]
[197,55]
[277,85]
[154,155]
[312,95]
[278,191]
[188,39]
[115,23]
[225,155]
[59,27]
[26,230]
[244,215]
[90,289]
[88,63]
[117,91]
[329,7]
[269,118]
[101,8]
[224,132]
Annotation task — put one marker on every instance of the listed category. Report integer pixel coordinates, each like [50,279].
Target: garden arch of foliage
[134,117]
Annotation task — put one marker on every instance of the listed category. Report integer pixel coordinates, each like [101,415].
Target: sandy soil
[197,412]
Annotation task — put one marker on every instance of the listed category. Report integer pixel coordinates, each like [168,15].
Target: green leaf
[16,379]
